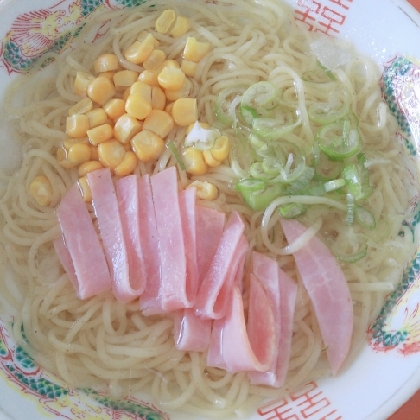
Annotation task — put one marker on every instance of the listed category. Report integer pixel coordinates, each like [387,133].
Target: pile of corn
[124,117]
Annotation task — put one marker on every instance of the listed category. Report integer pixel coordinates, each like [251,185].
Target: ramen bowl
[387,370]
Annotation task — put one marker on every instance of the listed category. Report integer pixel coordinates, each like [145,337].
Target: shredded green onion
[172,147]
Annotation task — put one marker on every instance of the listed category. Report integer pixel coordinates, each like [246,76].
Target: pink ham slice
[209,229]
[250,348]
[83,246]
[187,207]
[214,293]
[151,299]
[215,351]
[191,332]
[66,261]
[128,203]
[328,290]
[105,203]
[171,241]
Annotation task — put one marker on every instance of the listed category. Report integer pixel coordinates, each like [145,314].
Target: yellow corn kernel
[142,88]
[94,152]
[160,122]
[155,59]
[62,159]
[180,27]
[171,78]
[188,67]
[83,106]
[79,153]
[70,142]
[210,160]
[165,21]
[220,150]
[77,125]
[89,166]
[195,50]
[158,98]
[85,189]
[81,83]
[107,74]
[41,190]
[147,145]
[126,127]
[124,79]
[127,166]
[202,125]
[105,63]
[100,134]
[111,153]
[185,111]
[114,108]
[170,63]
[96,117]
[204,190]
[101,90]
[150,77]
[137,106]
[169,108]
[173,95]
[194,161]
[140,50]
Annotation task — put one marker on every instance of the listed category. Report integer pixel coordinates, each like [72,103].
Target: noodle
[112,346]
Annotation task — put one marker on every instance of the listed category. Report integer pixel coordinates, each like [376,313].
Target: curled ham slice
[105,203]
[81,247]
[214,293]
[328,290]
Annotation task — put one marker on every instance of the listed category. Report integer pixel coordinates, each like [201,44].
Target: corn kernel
[61,156]
[169,108]
[140,50]
[124,79]
[194,161]
[83,106]
[101,90]
[142,88]
[195,50]
[171,78]
[210,160]
[89,166]
[147,145]
[188,67]
[127,166]
[170,63]
[220,150]
[185,111]
[184,92]
[160,122]
[204,190]
[180,27]
[81,83]
[85,189]
[96,117]
[77,125]
[107,74]
[126,127]
[114,108]
[41,190]
[70,142]
[79,153]
[137,106]
[155,59]
[100,134]
[165,21]
[111,153]
[158,98]
[105,63]
[150,77]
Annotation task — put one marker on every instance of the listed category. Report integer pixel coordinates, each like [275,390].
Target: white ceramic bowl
[386,373]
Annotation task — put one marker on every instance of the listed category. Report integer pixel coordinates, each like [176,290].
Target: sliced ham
[171,241]
[151,299]
[251,348]
[187,207]
[209,229]
[191,332]
[82,243]
[215,351]
[66,261]
[105,203]
[214,293]
[328,290]
[128,203]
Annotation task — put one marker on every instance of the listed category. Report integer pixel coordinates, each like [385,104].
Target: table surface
[411,409]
